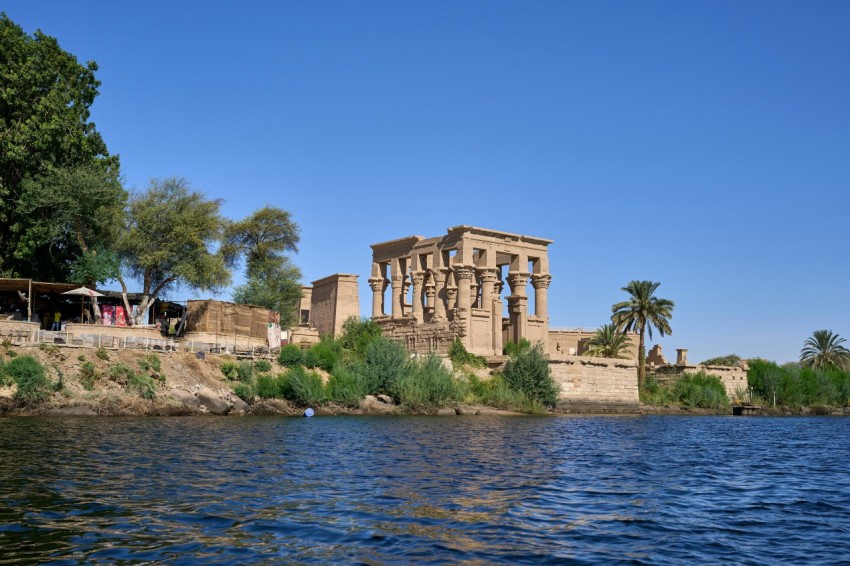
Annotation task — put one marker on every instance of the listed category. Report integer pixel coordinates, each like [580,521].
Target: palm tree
[640,314]
[608,343]
[824,349]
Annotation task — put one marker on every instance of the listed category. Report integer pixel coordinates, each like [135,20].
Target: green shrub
[323,355]
[701,390]
[426,385]
[304,387]
[728,360]
[497,393]
[31,378]
[290,356]
[121,374]
[88,375]
[150,362]
[269,386]
[794,386]
[5,379]
[49,349]
[142,384]
[461,357]
[346,386]
[102,354]
[383,363]
[244,391]
[81,357]
[262,366]
[513,349]
[228,369]
[245,371]
[528,372]
[357,334]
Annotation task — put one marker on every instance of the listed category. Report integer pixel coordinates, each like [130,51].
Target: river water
[400,490]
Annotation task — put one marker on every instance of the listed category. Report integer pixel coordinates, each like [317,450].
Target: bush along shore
[361,373]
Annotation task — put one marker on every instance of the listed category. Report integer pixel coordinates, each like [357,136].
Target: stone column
[488,288]
[439,294]
[378,284]
[397,283]
[518,306]
[541,294]
[463,276]
[418,278]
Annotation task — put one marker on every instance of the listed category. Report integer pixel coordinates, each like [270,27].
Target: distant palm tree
[824,349]
[640,313]
[608,343]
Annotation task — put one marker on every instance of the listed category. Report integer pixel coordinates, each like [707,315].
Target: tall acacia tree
[824,349]
[45,95]
[640,314]
[606,342]
[171,238]
[272,280]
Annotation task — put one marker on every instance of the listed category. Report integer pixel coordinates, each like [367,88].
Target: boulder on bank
[72,412]
[185,397]
[212,402]
[239,407]
[374,405]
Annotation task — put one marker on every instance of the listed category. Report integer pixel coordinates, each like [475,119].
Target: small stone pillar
[464,275]
[488,288]
[681,356]
[418,278]
[439,294]
[541,294]
[378,284]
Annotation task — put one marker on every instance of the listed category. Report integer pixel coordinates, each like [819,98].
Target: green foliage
[461,357]
[824,349]
[150,362]
[346,386]
[44,117]
[730,360]
[290,355]
[88,375]
[323,355]
[168,240]
[529,373]
[102,354]
[31,379]
[357,334]
[513,349]
[304,388]
[796,386]
[641,313]
[495,392]
[607,342]
[244,391]
[245,371]
[121,374]
[274,284]
[229,369]
[701,390]
[5,379]
[262,366]
[426,385]
[384,362]
[49,349]
[270,387]
[142,384]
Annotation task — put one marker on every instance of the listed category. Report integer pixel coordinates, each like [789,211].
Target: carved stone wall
[596,384]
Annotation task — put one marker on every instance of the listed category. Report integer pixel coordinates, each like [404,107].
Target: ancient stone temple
[471,283]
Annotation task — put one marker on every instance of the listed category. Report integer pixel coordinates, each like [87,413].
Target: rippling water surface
[402,490]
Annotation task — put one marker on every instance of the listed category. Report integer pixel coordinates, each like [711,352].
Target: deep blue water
[401,490]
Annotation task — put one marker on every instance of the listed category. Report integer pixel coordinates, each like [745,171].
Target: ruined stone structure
[324,306]
[427,291]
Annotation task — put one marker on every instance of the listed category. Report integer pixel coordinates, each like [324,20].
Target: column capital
[418,277]
[488,275]
[541,281]
[463,272]
[516,281]
[377,284]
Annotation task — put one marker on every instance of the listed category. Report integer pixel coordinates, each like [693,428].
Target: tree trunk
[131,321]
[95,309]
[641,360]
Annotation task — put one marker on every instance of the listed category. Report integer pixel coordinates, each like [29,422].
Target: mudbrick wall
[591,384]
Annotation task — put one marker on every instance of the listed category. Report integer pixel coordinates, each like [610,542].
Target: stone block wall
[591,384]
[732,377]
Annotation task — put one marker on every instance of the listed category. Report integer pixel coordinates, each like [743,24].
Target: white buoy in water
[308,412]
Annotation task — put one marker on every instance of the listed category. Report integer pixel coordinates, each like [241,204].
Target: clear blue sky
[705,145]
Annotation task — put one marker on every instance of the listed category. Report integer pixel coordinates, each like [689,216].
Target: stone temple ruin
[427,291]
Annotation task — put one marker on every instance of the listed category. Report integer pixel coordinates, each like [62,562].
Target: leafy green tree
[606,342]
[274,284]
[168,240]
[357,334]
[45,95]
[528,372]
[640,314]
[272,280]
[824,349]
